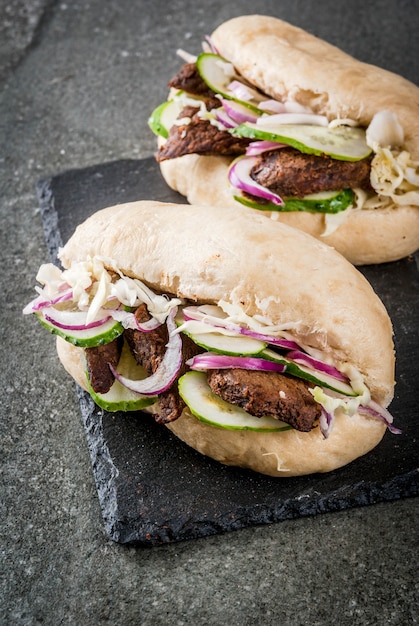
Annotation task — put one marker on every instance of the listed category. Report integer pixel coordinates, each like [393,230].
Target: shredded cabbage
[235,314]
[100,297]
[49,275]
[394,174]
[93,285]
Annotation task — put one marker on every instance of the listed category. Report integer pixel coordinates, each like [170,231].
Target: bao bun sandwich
[277,119]
[258,345]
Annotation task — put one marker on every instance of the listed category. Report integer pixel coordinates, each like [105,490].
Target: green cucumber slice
[300,371]
[254,204]
[344,143]
[87,338]
[210,408]
[227,344]
[326,202]
[164,116]
[210,68]
[119,398]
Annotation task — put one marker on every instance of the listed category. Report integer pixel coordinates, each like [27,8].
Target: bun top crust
[316,73]
[264,267]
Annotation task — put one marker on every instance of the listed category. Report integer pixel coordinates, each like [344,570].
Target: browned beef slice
[200,137]
[267,393]
[98,360]
[149,349]
[290,173]
[189,79]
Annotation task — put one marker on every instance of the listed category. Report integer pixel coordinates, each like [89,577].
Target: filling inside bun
[230,370]
[286,155]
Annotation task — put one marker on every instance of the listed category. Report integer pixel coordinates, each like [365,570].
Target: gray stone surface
[77,83]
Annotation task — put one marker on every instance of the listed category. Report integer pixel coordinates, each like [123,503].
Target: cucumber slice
[344,143]
[210,408]
[119,398]
[87,338]
[300,371]
[227,344]
[210,68]
[163,117]
[325,202]
[254,204]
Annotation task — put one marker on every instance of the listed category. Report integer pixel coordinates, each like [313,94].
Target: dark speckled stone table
[77,83]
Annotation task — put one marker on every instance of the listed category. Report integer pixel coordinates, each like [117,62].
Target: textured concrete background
[77,83]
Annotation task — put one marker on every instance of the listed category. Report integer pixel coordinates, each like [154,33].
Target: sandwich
[274,118]
[253,342]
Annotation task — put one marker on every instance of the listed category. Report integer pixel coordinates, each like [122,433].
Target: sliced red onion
[167,371]
[146,327]
[72,320]
[210,361]
[211,45]
[41,302]
[126,318]
[224,118]
[290,106]
[373,409]
[305,359]
[280,342]
[258,147]
[239,177]
[194,313]
[239,113]
[272,106]
[240,91]
[326,422]
[33,305]
[129,320]
[292,118]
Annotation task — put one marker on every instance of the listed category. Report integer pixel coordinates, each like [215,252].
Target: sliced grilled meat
[189,79]
[267,393]
[199,136]
[98,360]
[148,350]
[290,173]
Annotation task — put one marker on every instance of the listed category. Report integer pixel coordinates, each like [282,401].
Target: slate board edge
[147,534]
[49,217]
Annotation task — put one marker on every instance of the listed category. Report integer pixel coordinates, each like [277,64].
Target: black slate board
[152,488]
